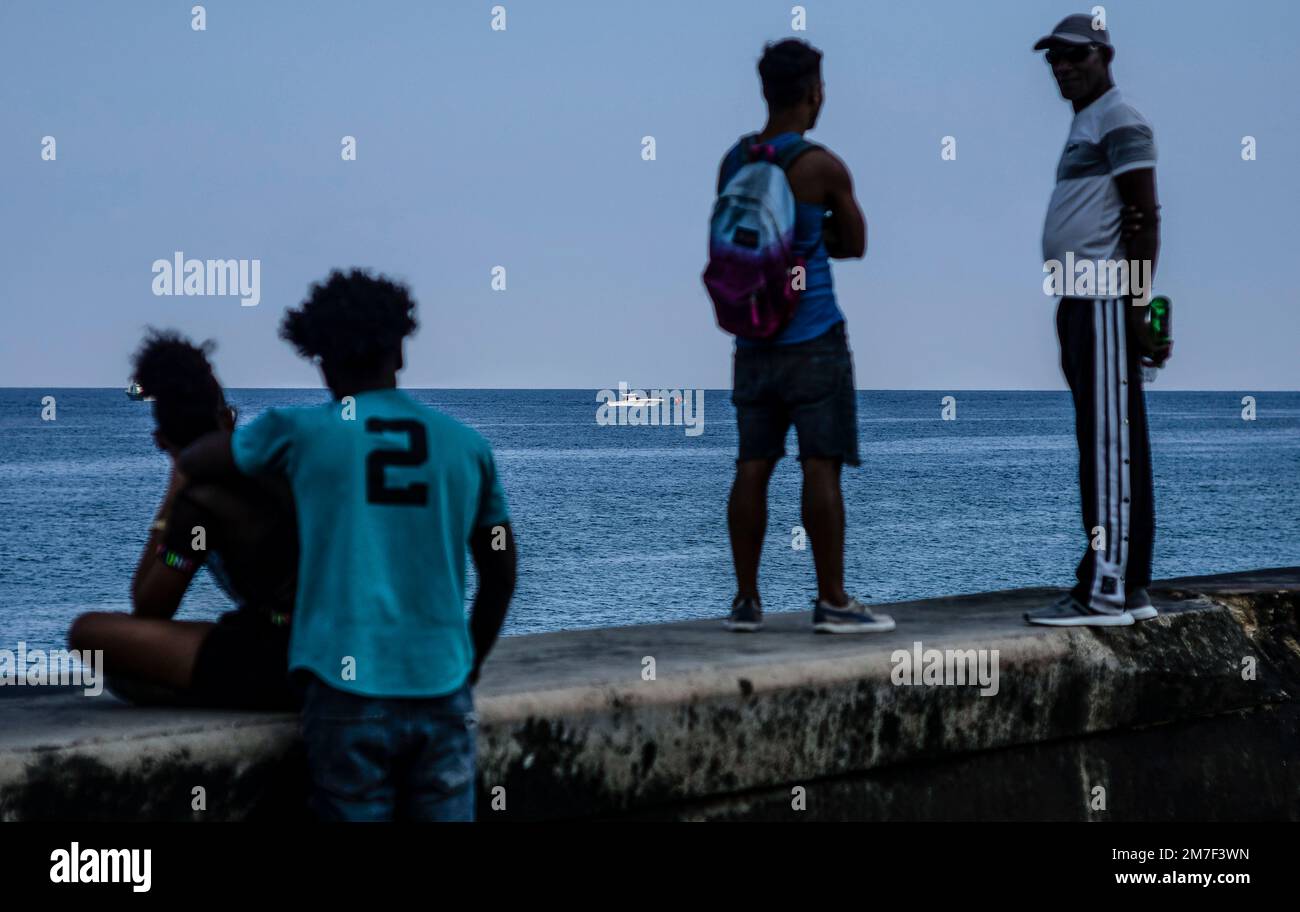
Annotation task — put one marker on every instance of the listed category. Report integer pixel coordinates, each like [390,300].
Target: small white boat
[634,401]
[134,392]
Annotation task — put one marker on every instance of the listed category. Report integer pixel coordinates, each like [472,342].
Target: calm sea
[625,525]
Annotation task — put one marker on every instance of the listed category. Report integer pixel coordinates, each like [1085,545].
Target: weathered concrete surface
[730,724]
[1241,766]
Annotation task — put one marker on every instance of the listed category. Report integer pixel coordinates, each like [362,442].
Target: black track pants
[1110,421]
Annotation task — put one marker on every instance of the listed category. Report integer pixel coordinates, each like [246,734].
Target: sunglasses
[1076,54]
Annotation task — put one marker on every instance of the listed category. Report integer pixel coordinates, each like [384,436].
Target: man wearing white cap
[1104,210]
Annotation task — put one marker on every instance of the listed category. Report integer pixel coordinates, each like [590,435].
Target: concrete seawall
[1193,715]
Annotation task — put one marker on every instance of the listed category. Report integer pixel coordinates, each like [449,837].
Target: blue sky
[522,148]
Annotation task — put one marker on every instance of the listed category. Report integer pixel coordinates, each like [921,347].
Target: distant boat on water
[135,393]
[634,401]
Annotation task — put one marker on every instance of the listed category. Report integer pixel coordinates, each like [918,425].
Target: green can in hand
[1160,313]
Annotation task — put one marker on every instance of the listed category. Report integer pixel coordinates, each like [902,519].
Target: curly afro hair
[176,373]
[351,320]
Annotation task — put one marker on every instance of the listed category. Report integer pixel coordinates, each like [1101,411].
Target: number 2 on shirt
[416,453]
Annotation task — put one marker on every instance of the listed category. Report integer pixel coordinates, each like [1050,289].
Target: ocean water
[625,525]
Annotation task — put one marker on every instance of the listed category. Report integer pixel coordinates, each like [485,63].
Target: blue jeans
[375,758]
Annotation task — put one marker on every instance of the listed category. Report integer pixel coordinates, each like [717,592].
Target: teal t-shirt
[388,493]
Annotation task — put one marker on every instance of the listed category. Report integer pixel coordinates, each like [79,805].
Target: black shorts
[244,664]
[807,384]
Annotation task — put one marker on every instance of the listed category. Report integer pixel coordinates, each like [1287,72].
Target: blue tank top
[817,311]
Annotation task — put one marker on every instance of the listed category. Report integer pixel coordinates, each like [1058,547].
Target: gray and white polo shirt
[1107,138]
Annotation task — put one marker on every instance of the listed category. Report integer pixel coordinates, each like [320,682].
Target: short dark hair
[351,320]
[176,374]
[789,69]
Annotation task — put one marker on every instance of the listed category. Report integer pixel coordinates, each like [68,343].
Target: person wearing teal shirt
[390,496]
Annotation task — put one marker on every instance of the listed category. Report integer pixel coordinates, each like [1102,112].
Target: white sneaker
[1138,604]
[1069,612]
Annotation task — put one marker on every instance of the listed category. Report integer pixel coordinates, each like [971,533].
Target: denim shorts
[807,384]
[375,758]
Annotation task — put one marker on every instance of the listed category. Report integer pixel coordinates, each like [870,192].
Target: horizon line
[1152,388]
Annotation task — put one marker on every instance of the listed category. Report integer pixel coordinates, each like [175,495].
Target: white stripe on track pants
[1110,421]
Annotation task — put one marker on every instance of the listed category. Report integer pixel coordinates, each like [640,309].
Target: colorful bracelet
[174,560]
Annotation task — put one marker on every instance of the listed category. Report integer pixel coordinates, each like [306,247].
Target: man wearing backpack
[792,360]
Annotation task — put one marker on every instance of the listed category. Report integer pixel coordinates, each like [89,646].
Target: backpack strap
[791,153]
[784,158]
[742,151]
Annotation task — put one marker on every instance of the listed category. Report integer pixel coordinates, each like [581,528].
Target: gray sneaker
[746,616]
[1138,604]
[1069,612]
[854,617]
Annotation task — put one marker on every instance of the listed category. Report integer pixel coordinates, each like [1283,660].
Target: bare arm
[496,584]
[156,588]
[1140,226]
[846,226]
[1140,230]
[208,457]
